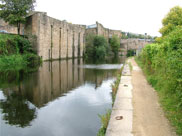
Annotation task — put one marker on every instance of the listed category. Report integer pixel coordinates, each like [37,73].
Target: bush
[130,53]
[16,52]
[115,44]
[14,44]
[96,47]
[32,59]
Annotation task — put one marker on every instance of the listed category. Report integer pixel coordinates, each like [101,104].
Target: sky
[137,16]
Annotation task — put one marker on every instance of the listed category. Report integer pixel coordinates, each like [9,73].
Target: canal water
[62,98]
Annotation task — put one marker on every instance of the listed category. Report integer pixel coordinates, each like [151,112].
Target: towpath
[142,116]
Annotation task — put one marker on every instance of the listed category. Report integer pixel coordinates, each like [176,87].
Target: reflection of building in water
[55,79]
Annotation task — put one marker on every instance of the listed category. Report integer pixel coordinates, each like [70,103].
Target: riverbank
[136,111]
[16,52]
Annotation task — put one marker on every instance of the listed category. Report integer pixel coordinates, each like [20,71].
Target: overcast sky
[137,16]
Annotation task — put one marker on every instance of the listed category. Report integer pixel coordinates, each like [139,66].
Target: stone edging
[120,123]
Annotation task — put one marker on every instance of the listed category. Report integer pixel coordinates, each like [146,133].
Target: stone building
[55,39]
[98,29]
[133,44]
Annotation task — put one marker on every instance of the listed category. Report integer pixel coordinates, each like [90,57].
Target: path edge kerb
[122,106]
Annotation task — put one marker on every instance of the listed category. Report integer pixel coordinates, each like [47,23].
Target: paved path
[137,103]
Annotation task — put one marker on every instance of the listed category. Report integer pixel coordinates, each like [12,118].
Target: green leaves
[14,44]
[96,47]
[172,20]
[115,44]
[15,11]
[105,121]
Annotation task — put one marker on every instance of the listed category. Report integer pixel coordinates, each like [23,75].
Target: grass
[131,67]
[170,103]
[18,61]
[105,121]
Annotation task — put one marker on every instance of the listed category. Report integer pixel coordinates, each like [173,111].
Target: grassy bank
[16,53]
[162,65]
[106,117]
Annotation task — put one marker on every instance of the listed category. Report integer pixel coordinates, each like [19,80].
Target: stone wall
[91,31]
[56,39]
[10,28]
[101,30]
[133,44]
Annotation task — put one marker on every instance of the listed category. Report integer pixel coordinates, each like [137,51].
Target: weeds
[105,121]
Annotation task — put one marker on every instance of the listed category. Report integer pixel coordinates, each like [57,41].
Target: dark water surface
[62,98]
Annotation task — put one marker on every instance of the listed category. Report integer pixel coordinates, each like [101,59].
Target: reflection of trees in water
[97,76]
[11,78]
[17,111]
[108,60]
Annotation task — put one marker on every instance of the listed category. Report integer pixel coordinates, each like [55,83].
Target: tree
[15,11]
[96,47]
[172,20]
[115,44]
[100,47]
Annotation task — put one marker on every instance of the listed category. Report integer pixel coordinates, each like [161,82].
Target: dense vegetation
[130,53]
[15,11]
[16,53]
[162,63]
[98,48]
[115,44]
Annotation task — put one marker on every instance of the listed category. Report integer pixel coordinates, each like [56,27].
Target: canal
[62,98]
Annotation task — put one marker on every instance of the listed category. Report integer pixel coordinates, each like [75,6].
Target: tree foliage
[115,44]
[96,47]
[15,11]
[172,20]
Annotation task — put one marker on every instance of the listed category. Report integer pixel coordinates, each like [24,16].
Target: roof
[91,26]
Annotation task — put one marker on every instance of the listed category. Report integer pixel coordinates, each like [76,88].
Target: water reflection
[17,110]
[59,95]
